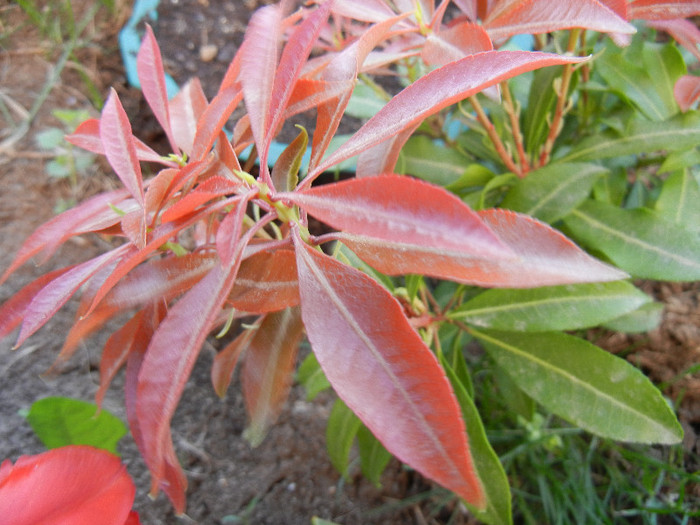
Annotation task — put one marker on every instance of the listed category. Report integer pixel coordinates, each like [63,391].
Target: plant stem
[512,111]
[491,131]
[562,97]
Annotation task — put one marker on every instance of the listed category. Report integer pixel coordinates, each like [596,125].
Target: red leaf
[149,67]
[210,189]
[383,371]
[225,361]
[544,16]
[687,91]
[158,237]
[382,158]
[57,292]
[363,10]
[159,279]
[74,485]
[402,210]
[185,109]
[87,136]
[212,121]
[259,54]
[158,189]
[12,310]
[343,70]
[293,58]
[169,360]
[81,329]
[115,354]
[310,93]
[267,371]
[543,257]
[663,9]
[134,227]
[266,282]
[436,90]
[119,146]
[685,32]
[174,482]
[50,235]
[619,7]
[454,43]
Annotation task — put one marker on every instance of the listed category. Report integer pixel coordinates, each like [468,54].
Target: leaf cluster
[390,291]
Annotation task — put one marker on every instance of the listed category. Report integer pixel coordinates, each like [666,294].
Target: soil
[288,479]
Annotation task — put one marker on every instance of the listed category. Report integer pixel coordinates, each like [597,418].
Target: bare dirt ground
[288,479]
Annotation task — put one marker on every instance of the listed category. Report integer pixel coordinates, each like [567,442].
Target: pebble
[208,52]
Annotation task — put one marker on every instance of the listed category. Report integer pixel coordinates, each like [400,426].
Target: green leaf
[679,201]
[679,160]
[373,456]
[311,377]
[497,183]
[565,307]
[58,168]
[474,177]
[346,255]
[424,158]
[285,172]
[488,468]
[60,421]
[365,102]
[49,139]
[585,385]
[643,319]
[315,520]
[413,285]
[611,188]
[515,399]
[649,85]
[551,192]
[341,430]
[678,133]
[539,107]
[637,241]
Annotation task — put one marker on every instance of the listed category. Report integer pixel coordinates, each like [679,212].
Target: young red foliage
[369,352]
[204,241]
[74,485]
[268,367]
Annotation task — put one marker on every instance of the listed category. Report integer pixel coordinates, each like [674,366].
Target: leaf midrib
[634,240]
[347,315]
[582,384]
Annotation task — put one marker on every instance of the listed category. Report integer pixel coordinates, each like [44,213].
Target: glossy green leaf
[551,192]
[489,470]
[644,319]
[373,456]
[567,307]
[585,385]
[61,421]
[311,377]
[638,241]
[341,430]
[648,84]
[432,162]
[678,133]
[679,201]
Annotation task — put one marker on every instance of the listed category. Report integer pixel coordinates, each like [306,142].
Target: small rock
[208,53]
